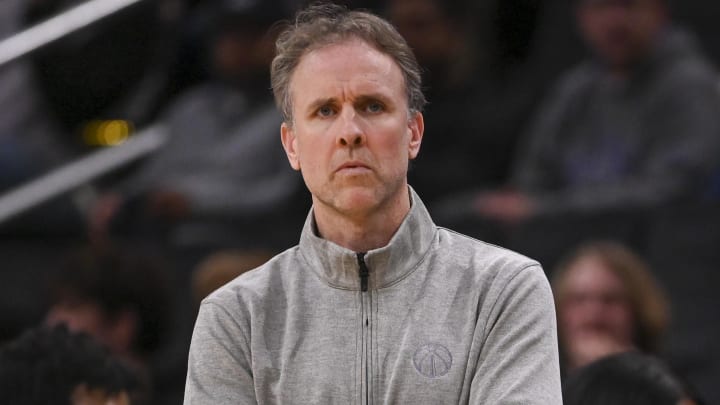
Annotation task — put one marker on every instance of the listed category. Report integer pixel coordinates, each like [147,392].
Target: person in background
[221,178]
[122,300]
[56,366]
[635,126]
[607,302]
[626,379]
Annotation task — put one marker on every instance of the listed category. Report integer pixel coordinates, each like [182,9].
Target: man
[636,126]
[376,304]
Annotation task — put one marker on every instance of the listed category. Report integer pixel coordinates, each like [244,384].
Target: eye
[325,111]
[374,107]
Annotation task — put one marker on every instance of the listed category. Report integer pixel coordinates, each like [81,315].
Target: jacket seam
[535,262]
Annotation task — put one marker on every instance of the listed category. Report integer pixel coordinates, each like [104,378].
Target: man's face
[621,31]
[351,135]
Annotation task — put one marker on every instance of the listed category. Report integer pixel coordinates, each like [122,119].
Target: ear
[289,142]
[416,126]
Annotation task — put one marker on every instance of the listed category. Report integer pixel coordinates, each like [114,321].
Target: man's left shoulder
[482,256]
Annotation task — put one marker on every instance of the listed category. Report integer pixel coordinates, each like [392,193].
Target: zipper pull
[364,272]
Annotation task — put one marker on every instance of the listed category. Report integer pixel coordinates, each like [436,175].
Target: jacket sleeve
[519,362]
[219,360]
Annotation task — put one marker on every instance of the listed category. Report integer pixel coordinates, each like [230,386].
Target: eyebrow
[321,102]
[373,97]
[361,99]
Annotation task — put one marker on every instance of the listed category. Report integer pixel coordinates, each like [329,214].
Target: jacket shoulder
[482,257]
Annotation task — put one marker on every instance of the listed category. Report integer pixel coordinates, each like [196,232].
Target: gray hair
[326,24]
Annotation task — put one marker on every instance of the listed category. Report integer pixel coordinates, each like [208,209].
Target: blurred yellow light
[107,133]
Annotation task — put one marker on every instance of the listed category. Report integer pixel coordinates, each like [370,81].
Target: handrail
[58,26]
[79,172]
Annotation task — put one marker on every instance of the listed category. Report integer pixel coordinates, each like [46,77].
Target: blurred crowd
[582,133]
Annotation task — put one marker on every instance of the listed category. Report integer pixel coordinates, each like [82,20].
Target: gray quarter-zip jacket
[439,318]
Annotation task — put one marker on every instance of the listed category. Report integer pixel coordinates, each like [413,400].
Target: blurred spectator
[626,379]
[222,176]
[55,366]
[476,103]
[607,302]
[636,126]
[120,298]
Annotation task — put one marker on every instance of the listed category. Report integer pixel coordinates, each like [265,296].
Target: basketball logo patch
[432,360]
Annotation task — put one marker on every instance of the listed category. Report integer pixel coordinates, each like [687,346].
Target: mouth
[353,167]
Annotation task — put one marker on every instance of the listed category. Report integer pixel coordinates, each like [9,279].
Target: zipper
[364,276]
[364,272]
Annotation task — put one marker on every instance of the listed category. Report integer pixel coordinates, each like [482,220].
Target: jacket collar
[339,267]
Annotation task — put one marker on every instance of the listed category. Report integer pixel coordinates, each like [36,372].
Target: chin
[356,200]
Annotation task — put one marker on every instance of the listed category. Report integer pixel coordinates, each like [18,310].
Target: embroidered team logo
[432,360]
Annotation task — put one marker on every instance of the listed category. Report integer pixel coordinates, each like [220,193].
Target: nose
[350,131]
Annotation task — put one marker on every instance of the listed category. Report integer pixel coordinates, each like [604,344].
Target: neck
[364,231]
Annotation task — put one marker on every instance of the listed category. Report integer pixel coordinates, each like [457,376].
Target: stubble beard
[359,197]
